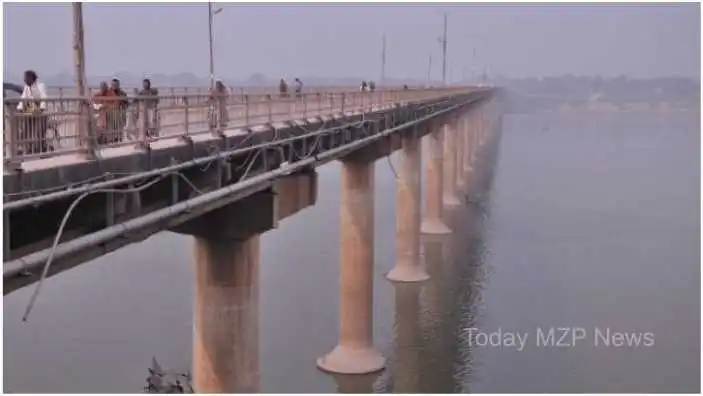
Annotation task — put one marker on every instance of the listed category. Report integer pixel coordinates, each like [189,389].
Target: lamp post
[383,61]
[211,15]
[78,47]
[79,53]
[443,40]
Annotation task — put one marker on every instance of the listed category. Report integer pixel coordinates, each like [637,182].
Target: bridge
[226,170]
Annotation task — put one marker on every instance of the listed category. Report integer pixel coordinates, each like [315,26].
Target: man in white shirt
[298,87]
[33,89]
[33,123]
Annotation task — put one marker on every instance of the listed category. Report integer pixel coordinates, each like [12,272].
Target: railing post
[246,110]
[305,105]
[185,115]
[62,107]
[319,102]
[86,127]
[344,96]
[144,124]
[12,136]
[269,102]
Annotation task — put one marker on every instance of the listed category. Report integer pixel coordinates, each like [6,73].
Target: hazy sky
[345,40]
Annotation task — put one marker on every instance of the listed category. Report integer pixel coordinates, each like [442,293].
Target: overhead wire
[67,215]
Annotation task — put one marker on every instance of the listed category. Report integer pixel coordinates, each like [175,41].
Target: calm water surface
[592,221]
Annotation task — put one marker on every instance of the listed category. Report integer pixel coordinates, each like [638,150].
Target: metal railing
[65,91]
[57,126]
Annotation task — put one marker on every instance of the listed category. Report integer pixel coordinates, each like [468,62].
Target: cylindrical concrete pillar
[432,222]
[469,144]
[408,339]
[481,125]
[407,246]
[226,320]
[355,353]
[449,197]
[460,152]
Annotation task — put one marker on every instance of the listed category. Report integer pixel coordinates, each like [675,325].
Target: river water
[591,224]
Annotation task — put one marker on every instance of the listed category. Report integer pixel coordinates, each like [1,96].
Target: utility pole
[78,47]
[383,61]
[79,53]
[444,51]
[211,17]
[473,68]
[212,57]
[429,71]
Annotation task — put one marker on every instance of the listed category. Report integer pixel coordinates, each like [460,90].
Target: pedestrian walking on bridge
[283,88]
[298,87]
[147,107]
[218,98]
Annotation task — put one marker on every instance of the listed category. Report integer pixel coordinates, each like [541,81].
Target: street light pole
[78,47]
[79,53]
[383,61]
[444,51]
[429,71]
[212,57]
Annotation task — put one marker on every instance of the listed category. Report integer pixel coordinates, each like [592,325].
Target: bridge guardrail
[82,124]
[67,92]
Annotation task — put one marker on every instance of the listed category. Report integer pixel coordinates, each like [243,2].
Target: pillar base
[450,200]
[461,184]
[407,273]
[346,360]
[434,227]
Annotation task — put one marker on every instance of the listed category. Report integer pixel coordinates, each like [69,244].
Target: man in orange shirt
[106,104]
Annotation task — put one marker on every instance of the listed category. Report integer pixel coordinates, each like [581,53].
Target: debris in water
[166,381]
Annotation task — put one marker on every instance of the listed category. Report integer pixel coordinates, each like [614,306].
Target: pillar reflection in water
[435,365]
[356,383]
[408,338]
[226,320]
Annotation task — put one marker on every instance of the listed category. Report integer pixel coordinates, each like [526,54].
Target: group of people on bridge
[109,108]
[283,88]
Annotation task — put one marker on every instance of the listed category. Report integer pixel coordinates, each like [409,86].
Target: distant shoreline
[609,107]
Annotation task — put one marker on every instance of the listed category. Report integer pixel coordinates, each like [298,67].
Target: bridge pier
[355,353]
[451,132]
[407,265]
[225,313]
[432,223]
[482,125]
[461,153]
[226,321]
[470,145]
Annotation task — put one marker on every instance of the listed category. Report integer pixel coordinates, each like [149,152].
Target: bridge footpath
[226,183]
